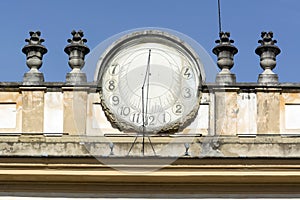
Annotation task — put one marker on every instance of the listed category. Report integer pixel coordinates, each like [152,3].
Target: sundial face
[150,83]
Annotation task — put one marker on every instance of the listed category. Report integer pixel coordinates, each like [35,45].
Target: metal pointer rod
[145,101]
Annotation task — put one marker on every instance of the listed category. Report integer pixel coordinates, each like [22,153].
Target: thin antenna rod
[219,13]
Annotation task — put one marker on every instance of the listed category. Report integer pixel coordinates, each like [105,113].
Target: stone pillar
[268,111]
[225,52]
[34,51]
[74,110]
[33,109]
[267,52]
[76,51]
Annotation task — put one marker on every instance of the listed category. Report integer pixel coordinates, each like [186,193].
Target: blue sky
[100,19]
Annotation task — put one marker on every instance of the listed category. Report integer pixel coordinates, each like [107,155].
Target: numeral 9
[115,100]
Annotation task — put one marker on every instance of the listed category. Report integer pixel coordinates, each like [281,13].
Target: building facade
[56,139]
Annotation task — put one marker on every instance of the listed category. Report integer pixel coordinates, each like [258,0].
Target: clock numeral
[136,118]
[164,118]
[187,93]
[149,120]
[111,85]
[115,69]
[178,109]
[124,111]
[115,100]
[187,74]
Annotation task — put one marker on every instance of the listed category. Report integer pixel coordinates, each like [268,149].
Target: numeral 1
[164,118]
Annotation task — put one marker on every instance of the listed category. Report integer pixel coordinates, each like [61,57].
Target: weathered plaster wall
[33,110]
[268,112]
[74,107]
[11,98]
[225,111]
[66,120]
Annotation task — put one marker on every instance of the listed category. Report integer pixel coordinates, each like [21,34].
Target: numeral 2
[178,109]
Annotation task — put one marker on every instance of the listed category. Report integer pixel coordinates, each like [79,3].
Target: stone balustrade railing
[77,50]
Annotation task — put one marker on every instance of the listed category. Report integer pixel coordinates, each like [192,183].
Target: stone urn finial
[267,52]
[76,51]
[34,52]
[225,52]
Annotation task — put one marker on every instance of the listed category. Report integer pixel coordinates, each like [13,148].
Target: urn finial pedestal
[267,52]
[225,52]
[34,52]
[76,51]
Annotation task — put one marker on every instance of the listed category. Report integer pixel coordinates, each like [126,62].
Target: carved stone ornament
[34,52]
[267,52]
[76,51]
[225,52]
